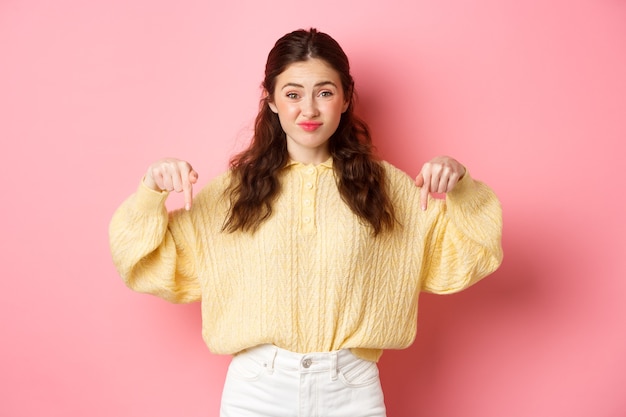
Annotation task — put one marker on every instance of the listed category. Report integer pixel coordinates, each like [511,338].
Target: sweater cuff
[463,188]
[147,199]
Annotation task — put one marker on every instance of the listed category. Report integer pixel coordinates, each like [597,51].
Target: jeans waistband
[271,357]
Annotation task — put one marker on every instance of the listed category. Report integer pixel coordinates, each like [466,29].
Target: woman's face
[309,101]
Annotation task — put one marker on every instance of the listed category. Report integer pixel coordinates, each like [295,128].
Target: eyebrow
[320,84]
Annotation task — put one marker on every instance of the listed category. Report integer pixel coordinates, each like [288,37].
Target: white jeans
[267,381]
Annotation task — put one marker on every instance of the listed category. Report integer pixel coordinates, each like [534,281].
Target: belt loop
[272,359]
[333,366]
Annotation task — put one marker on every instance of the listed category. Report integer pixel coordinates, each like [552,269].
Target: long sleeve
[152,253]
[456,241]
[463,242]
[313,278]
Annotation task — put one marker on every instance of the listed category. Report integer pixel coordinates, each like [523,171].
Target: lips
[309,126]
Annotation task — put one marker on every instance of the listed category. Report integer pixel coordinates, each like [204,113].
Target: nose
[309,107]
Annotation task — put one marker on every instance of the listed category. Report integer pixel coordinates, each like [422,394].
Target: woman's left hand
[439,175]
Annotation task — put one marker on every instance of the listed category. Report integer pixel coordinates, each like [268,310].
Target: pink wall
[531,95]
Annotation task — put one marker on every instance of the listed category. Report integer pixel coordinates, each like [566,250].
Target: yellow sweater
[312,278]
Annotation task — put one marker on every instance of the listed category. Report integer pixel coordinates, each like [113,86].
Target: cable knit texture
[313,278]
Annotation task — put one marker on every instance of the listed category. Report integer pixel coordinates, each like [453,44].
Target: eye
[326,93]
[292,96]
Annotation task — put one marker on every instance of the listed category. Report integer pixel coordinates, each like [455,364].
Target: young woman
[308,254]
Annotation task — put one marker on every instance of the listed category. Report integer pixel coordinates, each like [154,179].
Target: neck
[314,157]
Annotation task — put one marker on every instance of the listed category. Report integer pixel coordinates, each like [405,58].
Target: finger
[193,176]
[164,177]
[424,191]
[449,178]
[165,180]
[190,177]
[419,180]
[435,179]
[426,177]
[434,184]
[178,180]
[188,195]
[155,180]
[444,178]
[452,182]
[149,181]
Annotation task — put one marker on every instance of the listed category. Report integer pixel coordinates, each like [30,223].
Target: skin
[309,94]
[439,175]
[170,174]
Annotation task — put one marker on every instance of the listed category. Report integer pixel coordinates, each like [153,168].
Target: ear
[347,99]
[346,104]
[270,101]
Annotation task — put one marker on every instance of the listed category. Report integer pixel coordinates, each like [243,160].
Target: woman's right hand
[170,174]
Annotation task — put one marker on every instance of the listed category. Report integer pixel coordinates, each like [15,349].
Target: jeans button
[307,362]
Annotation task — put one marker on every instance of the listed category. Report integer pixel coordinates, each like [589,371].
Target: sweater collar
[326,164]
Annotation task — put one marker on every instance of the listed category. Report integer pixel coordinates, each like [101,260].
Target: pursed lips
[309,126]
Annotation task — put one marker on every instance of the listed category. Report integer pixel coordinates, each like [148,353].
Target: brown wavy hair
[360,177]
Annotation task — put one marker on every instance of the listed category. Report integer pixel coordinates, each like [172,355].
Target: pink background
[530,95]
